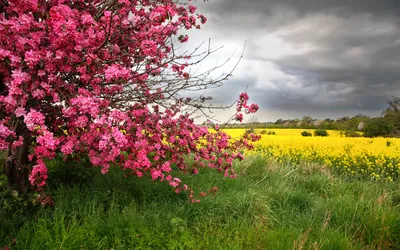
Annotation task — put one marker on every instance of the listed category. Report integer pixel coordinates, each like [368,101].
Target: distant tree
[393,118]
[360,116]
[343,119]
[318,123]
[307,119]
[306,122]
[392,113]
[394,104]
[286,124]
[321,132]
[377,127]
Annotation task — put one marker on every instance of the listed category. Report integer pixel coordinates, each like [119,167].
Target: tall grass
[268,206]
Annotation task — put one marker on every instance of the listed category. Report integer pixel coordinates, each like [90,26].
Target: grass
[268,206]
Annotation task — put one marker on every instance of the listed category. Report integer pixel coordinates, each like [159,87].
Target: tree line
[387,125]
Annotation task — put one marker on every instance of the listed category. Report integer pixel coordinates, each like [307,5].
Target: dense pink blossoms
[78,77]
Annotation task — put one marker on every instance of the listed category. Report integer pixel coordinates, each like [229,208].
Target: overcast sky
[322,58]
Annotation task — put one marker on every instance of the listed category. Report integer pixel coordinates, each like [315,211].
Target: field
[286,196]
[369,158]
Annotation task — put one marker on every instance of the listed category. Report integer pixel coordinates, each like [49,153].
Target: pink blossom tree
[103,78]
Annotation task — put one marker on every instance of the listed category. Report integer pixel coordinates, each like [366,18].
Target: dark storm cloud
[311,56]
[228,8]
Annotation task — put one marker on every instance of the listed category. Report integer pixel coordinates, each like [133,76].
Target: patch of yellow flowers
[372,158]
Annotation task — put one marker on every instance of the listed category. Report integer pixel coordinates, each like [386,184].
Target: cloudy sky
[323,58]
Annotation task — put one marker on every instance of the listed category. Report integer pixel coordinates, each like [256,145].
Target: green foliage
[377,127]
[72,171]
[351,133]
[14,207]
[271,133]
[305,133]
[320,132]
[10,200]
[269,206]
[392,116]
[263,132]
[2,159]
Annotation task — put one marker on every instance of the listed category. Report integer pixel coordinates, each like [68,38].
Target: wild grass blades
[269,206]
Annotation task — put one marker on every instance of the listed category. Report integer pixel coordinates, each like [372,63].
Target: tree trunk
[16,163]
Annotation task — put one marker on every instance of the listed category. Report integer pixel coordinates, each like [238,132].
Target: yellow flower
[364,156]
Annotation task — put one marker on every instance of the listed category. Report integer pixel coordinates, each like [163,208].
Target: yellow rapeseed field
[373,158]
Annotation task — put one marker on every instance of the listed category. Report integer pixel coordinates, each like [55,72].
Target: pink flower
[19,77]
[155,174]
[20,112]
[183,39]
[119,137]
[115,72]
[32,58]
[38,175]
[166,167]
[34,119]
[174,182]
[244,97]
[253,108]
[5,132]
[103,143]
[38,93]
[239,117]
[148,47]
[81,121]
[105,168]
[203,19]
[192,9]
[48,140]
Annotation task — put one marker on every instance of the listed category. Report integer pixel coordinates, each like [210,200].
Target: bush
[73,171]
[377,127]
[12,202]
[351,133]
[321,132]
[263,132]
[271,133]
[305,133]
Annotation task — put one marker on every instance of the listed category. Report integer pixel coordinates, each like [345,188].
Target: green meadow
[268,206]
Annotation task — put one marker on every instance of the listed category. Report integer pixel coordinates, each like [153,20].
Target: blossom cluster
[242,105]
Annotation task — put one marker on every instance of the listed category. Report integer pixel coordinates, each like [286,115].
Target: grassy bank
[268,206]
